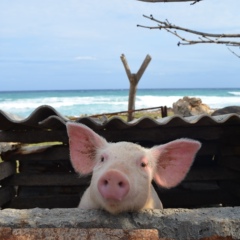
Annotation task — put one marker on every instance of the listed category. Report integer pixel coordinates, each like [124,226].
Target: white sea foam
[155,101]
[66,105]
[212,101]
[92,103]
[220,102]
[234,93]
[58,102]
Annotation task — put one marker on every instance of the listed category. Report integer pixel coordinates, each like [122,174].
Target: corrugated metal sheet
[42,117]
[46,117]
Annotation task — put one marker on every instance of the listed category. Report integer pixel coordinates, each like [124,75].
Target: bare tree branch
[207,40]
[154,1]
[196,1]
[234,53]
[222,38]
[167,25]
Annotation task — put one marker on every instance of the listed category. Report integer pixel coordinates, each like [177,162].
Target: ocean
[79,102]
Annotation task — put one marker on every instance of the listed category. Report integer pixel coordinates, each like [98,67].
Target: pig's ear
[83,144]
[173,161]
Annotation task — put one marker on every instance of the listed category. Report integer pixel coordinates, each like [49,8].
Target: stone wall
[169,224]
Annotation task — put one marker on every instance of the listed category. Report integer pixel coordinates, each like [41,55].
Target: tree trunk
[134,80]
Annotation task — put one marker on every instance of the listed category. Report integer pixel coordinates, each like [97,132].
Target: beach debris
[163,110]
[122,172]
[188,106]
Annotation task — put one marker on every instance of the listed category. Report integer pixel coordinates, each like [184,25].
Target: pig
[122,172]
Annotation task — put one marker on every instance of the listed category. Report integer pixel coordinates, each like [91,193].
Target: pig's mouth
[113,205]
[114,202]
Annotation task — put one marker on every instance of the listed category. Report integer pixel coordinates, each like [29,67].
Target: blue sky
[77,44]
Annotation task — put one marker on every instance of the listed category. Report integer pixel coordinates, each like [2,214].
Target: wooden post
[134,80]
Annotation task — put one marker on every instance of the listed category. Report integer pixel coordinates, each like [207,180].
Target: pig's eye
[102,159]
[143,164]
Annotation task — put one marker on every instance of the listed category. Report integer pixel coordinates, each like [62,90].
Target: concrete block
[169,224]
[77,234]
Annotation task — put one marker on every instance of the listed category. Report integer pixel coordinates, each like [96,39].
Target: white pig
[122,172]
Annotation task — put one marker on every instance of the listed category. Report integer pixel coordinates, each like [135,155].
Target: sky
[77,44]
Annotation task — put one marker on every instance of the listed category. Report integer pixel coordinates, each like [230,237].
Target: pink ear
[174,160]
[83,144]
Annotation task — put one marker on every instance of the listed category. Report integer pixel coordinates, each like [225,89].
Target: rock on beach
[187,107]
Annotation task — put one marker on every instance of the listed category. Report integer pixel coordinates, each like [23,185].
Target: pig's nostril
[105,182]
[120,184]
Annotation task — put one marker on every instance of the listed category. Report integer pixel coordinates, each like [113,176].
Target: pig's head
[122,172]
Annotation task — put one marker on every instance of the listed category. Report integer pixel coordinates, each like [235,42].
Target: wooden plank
[6,195]
[212,173]
[232,162]
[200,186]
[175,198]
[6,147]
[34,136]
[208,147]
[59,152]
[68,179]
[7,169]
[230,149]
[171,199]
[34,191]
[184,199]
[202,160]
[162,134]
[56,201]
[46,166]
[232,187]
[55,179]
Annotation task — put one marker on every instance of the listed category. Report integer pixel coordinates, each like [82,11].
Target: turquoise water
[77,102]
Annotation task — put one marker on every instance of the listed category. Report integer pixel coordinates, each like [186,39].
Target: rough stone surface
[187,107]
[182,224]
[227,110]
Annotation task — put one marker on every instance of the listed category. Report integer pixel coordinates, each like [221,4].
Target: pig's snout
[113,185]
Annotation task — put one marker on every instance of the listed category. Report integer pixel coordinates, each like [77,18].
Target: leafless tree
[203,37]
[134,79]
